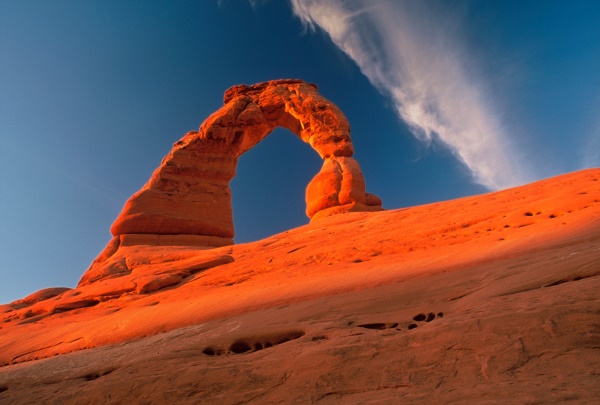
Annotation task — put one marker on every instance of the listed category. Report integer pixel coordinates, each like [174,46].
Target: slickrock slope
[485,299]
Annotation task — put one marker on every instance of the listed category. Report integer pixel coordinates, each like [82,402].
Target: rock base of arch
[133,239]
[115,261]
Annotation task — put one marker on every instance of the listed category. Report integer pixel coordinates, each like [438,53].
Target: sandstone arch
[188,200]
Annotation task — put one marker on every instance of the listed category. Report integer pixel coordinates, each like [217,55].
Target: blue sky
[445,99]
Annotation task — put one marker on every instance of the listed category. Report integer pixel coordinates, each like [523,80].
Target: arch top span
[188,198]
[250,113]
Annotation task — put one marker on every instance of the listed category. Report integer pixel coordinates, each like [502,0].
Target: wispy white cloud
[413,54]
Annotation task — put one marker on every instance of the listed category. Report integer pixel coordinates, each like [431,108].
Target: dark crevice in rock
[253,344]
[95,375]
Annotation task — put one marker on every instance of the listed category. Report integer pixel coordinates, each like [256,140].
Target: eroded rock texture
[189,193]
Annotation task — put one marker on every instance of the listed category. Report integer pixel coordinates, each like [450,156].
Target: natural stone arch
[188,200]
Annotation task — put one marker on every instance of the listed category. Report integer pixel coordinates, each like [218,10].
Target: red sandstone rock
[38,296]
[113,260]
[340,184]
[497,293]
[155,283]
[189,193]
[187,201]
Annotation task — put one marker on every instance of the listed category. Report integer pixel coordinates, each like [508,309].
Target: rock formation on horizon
[187,201]
[189,193]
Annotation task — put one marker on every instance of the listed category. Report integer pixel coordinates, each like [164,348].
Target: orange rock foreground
[477,300]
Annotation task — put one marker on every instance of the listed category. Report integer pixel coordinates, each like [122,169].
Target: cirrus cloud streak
[412,53]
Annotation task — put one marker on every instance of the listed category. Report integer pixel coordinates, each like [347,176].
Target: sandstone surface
[484,299]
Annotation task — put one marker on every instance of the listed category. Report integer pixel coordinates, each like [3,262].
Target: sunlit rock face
[496,292]
[189,193]
[187,201]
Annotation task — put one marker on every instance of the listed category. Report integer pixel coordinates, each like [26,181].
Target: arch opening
[268,189]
